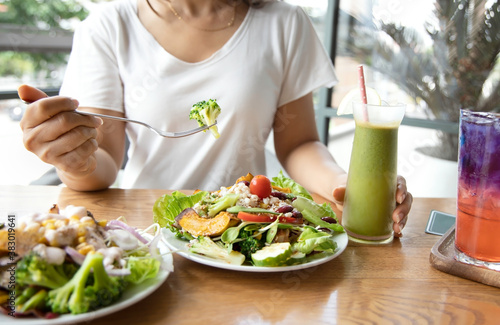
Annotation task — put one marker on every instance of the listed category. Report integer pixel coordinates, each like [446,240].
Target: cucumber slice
[273,255]
[296,258]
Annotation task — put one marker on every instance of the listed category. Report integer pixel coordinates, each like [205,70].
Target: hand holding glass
[372,178]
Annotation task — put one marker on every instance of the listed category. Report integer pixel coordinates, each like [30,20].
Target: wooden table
[385,284]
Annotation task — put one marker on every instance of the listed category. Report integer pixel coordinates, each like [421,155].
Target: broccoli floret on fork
[205,113]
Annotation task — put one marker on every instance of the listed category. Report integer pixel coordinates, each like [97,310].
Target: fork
[155,130]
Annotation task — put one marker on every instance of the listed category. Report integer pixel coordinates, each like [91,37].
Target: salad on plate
[255,222]
[67,262]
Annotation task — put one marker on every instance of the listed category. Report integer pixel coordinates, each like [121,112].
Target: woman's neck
[179,35]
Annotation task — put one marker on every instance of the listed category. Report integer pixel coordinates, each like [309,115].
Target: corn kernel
[60,223]
[86,220]
[86,249]
[47,221]
[74,219]
[81,231]
[50,225]
[81,239]
[103,223]
[86,225]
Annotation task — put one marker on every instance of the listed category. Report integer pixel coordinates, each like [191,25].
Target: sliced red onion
[117,223]
[73,253]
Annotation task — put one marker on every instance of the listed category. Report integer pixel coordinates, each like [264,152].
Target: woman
[151,60]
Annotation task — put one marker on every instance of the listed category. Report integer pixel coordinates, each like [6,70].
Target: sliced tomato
[260,185]
[254,217]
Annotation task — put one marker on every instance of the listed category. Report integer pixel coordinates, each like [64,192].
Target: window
[434,55]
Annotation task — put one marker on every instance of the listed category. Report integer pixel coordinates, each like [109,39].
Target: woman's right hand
[58,135]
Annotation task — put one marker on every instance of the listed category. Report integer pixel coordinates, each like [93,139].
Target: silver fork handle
[157,131]
[111,117]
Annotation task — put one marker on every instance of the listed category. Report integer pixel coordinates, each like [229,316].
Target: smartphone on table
[439,222]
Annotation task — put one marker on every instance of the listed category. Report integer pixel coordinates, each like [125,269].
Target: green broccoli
[35,270]
[105,290]
[206,246]
[84,293]
[25,295]
[250,243]
[222,203]
[205,113]
[36,301]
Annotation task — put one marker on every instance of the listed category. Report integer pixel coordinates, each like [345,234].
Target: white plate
[133,294]
[179,246]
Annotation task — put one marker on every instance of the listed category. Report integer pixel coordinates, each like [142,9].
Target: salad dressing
[53,255]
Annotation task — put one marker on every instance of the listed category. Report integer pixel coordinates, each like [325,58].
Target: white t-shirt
[274,57]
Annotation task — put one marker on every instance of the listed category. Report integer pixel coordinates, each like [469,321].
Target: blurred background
[437,56]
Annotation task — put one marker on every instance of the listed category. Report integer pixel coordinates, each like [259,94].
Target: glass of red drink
[477,233]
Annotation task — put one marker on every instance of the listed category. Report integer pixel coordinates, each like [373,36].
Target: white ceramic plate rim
[132,295]
[179,246]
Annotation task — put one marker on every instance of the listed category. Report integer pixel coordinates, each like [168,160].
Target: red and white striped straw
[362,89]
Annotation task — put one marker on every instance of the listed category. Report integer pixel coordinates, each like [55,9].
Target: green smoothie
[371,184]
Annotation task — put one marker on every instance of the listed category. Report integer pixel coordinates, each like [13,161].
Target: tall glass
[372,178]
[477,233]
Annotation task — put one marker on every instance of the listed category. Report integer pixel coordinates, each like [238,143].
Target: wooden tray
[442,258]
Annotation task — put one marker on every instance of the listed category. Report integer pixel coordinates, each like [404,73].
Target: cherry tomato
[253,217]
[261,186]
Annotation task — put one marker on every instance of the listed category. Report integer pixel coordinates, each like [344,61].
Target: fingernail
[98,120]
[400,217]
[403,197]
[75,103]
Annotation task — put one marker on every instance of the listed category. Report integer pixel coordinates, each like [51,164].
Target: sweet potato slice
[196,225]
[248,177]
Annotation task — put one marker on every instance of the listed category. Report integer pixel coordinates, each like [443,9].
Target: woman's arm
[299,150]
[310,163]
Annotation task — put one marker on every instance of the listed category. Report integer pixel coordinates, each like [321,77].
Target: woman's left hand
[404,200]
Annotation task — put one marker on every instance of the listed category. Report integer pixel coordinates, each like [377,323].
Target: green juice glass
[370,197]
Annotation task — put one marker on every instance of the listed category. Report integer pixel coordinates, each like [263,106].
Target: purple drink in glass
[478,214]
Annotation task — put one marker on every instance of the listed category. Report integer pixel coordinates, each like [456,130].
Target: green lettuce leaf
[282,181]
[167,207]
[142,269]
[313,212]
[313,240]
